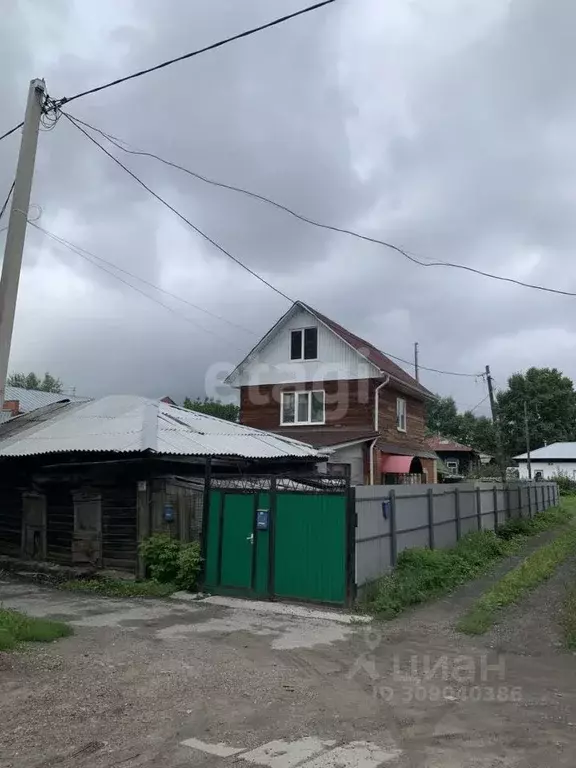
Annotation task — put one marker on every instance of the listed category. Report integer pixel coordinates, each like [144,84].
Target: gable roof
[132,424]
[370,352]
[438,443]
[564,451]
[364,348]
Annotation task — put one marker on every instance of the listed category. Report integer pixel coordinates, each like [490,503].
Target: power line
[88,254]
[220,248]
[5,203]
[255,195]
[471,410]
[197,52]
[79,252]
[12,130]
[180,215]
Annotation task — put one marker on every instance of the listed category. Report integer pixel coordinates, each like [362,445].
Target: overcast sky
[446,127]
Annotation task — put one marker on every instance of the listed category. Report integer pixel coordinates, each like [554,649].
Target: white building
[551,461]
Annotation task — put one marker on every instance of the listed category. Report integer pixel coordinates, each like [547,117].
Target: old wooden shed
[83,483]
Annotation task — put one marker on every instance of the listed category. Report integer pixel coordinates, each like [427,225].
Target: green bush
[566,485]
[169,561]
[189,562]
[160,553]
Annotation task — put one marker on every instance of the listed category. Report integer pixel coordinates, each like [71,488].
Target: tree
[442,417]
[32,381]
[551,404]
[212,407]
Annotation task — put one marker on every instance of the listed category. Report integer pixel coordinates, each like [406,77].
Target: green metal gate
[269,537]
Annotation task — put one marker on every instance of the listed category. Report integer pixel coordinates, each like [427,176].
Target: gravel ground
[531,628]
[140,677]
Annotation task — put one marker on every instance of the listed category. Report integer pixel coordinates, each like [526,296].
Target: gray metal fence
[391,518]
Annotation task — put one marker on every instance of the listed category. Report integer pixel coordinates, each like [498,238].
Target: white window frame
[401,414]
[453,465]
[302,359]
[296,393]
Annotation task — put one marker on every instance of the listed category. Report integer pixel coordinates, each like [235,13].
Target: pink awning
[396,465]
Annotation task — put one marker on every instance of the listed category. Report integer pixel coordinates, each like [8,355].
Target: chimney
[13,406]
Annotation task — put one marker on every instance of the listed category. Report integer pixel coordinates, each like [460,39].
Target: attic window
[304,344]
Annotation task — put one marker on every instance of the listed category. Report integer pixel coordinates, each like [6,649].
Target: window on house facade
[304,344]
[302,407]
[338,470]
[452,465]
[401,414]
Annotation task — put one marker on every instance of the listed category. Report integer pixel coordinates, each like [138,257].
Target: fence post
[393,540]
[431,518]
[508,511]
[530,501]
[520,501]
[457,513]
[479,507]
[495,494]
[548,494]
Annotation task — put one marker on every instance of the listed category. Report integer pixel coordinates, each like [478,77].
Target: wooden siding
[10,521]
[415,419]
[119,545]
[348,404]
[60,523]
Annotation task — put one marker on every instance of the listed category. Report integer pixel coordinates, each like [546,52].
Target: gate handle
[250,538]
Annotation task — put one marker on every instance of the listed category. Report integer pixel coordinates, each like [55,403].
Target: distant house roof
[132,424]
[437,443]
[29,399]
[364,348]
[561,451]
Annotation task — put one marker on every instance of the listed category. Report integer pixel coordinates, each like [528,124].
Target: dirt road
[218,683]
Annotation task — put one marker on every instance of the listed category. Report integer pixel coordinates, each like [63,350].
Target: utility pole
[17,225]
[527,433]
[496,422]
[416,370]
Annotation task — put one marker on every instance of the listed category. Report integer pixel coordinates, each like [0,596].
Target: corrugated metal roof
[127,423]
[565,451]
[30,399]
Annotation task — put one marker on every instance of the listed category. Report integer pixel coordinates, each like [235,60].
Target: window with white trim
[401,414]
[304,344]
[302,407]
[452,465]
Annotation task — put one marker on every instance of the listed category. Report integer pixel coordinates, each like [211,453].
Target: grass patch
[568,619]
[535,569]
[424,574]
[119,587]
[16,627]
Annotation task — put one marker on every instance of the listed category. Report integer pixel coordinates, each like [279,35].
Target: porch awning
[396,465]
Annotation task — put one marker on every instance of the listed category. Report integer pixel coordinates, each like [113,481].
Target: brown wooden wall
[60,523]
[348,404]
[119,546]
[415,419]
[10,521]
